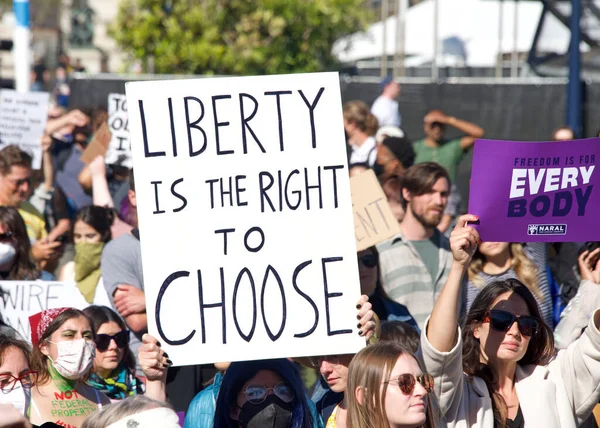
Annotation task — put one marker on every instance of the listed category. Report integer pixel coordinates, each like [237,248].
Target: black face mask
[271,413]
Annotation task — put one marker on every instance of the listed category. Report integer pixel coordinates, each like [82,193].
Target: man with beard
[415,263]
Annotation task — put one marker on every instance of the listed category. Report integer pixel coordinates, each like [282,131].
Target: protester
[68,163]
[496,261]
[387,388]
[15,179]
[15,249]
[134,412]
[114,364]
[16,378]
[385,107]
[263,393]
[501,368]
[402,148]
[91,232]
[448,153]
[202,408]
[102,195]
[415,263]
[575,317]
[63,356]
[360,126]
[392,188]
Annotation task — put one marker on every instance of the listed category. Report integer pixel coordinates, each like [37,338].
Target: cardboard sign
[374,220]
[536,192]
[21,299]
[119,150]
[23,117]
[98,146]
[245,215]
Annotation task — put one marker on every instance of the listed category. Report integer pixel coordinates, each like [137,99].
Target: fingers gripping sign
[464,239]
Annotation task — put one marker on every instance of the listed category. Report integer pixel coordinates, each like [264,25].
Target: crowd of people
[458,332]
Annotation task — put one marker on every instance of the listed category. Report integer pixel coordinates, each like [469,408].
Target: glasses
[502,321]
[7,236]
[20,182]
[369,260]
[407,382]
[256,394]
[103,340]
[27,379]
[315,362]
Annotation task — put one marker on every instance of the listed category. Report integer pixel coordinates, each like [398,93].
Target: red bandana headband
[41,321]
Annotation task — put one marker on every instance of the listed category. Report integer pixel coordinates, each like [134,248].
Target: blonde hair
[523,266]
[368,370]
[358,113]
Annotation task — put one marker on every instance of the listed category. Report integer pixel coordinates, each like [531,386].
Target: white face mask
[75,357]
[7,254]
[19,397]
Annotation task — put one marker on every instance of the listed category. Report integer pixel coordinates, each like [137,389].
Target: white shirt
[365,153]
[386,111]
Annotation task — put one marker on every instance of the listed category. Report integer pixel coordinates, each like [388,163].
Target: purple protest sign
[536,191]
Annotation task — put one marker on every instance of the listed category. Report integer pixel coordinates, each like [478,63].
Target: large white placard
[119,150]
[21,299]
[23,117]
[246,219]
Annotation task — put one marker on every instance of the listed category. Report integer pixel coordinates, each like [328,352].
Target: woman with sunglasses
[388,389]
[265,393]
[114,364]
[502,371]
[15,249]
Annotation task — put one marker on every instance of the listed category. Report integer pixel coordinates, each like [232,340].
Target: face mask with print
[19,397]
[75,357]
[7,254]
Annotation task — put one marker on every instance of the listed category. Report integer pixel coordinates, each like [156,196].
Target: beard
[429,221]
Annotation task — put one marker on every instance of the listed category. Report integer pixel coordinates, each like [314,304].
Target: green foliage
[236,36]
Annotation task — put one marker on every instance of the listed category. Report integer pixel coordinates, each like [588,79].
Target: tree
[236,36]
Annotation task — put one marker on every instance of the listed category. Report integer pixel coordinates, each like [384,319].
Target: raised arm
[154,363]
[442,327]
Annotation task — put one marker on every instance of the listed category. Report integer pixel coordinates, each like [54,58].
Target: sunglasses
[502,321]
[369,260]
[407,382]
[6,236]
[103,340]
[315,362]
[18,183]
[27,380]
[256,394]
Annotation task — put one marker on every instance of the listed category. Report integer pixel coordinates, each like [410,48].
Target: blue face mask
[271,413]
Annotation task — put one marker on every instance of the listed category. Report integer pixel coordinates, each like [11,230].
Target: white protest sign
[21,299]
[23,117]
[119,150]
[245,214]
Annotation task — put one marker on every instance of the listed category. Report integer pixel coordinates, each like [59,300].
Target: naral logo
[547,229]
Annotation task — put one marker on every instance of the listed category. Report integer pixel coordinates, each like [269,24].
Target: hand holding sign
[536,191]
[464,240]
